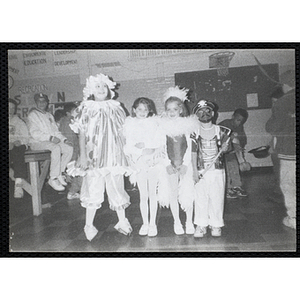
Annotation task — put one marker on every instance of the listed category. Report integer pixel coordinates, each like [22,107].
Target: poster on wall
[59,89]
[65,60]
[42,62]
[36,62]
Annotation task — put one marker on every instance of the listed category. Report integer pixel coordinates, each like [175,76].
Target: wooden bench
[39,162]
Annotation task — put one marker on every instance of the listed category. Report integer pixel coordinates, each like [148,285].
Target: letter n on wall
[61,97]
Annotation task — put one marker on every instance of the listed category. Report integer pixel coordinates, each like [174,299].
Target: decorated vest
[204,152]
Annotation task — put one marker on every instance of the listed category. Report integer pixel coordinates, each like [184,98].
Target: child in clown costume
[177,128]
[144,146]
[102,162]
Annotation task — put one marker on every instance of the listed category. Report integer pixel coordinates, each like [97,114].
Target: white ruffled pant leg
[92,191]
[117,196]
[209,202]
[93,187]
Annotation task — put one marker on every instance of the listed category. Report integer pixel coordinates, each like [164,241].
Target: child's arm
[243,164]
[132,145]
[82,147]
[226,137]
[195,170]
[239,152]
[196,176]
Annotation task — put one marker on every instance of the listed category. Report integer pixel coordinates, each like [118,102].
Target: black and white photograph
[149,150]
[152,149]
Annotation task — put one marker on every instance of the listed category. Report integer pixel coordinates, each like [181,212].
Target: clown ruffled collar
[100,104]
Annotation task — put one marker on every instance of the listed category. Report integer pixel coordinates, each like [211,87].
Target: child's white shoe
[289,222]
[62,180]
[124,227]
[152,231]
[216,231]
[178,229]
[200,232]
[189,228]
[56,185]
[90,232]
[144,229]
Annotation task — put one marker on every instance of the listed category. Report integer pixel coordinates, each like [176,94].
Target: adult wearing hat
[44,135]
[210,141]
[282,126]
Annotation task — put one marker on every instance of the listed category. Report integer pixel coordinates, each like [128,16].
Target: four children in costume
[176,160]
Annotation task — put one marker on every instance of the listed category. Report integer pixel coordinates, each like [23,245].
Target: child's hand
[182,169]
[196,176]
[237,148]
[17,143]
[244,166]
[10,146]
[170,170]
[82,162]
[55,140]
[140,145]
[156,157]
[148,151]
[68,143]
[225,147]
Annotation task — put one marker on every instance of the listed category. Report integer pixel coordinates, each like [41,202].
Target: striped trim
[287,157]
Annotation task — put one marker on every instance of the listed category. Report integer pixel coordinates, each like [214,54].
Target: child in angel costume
[177,127]
[210,141]
[102,162]
[144,146]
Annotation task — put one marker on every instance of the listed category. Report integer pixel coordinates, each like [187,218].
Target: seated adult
[44,135]
[18,143]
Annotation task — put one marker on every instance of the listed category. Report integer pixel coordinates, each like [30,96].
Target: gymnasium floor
[252,224]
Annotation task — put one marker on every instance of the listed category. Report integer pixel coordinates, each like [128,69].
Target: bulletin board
[244,87]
